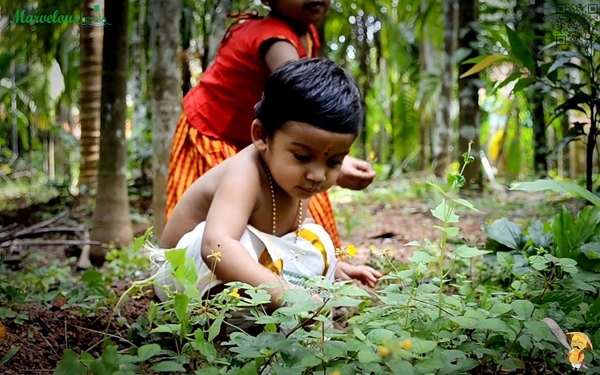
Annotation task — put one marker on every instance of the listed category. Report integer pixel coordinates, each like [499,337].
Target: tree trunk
[138,59]
[112,221]
[442,131]
[166,98]
[185,28]
[427,67]
[469,115]
[540,147]
[218,26]
[365,88]
[91,84]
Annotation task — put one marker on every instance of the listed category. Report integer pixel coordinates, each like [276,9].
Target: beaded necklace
[274,206]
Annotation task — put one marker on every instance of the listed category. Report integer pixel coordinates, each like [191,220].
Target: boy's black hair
[314,91]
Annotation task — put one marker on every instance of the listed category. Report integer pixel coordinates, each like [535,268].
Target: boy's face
[301,11]
[305,160]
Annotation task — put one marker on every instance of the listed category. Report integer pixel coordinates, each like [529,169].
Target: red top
[221,106]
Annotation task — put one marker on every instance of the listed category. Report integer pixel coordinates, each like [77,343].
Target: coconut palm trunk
[91,82]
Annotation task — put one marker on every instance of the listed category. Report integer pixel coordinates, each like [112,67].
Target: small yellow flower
[383,351]
[335,372]
[406,344]
[216,255]
[234,294]
[372,156]
[350,251]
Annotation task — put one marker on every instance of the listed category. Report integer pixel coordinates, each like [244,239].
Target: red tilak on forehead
[327,149]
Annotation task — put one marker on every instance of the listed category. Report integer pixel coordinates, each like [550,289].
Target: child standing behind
[218,112]
[252,207]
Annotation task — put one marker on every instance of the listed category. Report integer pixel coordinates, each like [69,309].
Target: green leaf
[558,63]
[519,50]
[591,250]
[523,308]
[511,364]
[558,187]
[465,203]
[422,257]
[69,365]
[494,325]
[423,346]
[486,62]
[248,369]
[168,366]
[465,322]
[333,350]
[505,260]
[167,328]
[400,367]
[9,354]
[567,300]
[180,303]
[593,312]
[505,233]
[523,83]
[366,355]
[499,308]
[148,351]
[540,330]
[445,213]
[465,251]
[380,335]
[451,231]
[215,328]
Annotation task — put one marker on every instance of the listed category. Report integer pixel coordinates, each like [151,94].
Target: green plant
[447,312]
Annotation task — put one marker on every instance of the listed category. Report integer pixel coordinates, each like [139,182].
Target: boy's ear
[259,135]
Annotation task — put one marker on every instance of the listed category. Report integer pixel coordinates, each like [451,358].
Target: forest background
[70,121]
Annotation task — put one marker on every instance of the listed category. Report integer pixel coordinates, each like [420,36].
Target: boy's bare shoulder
[243,166]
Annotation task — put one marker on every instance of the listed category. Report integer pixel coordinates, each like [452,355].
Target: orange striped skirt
[193,154]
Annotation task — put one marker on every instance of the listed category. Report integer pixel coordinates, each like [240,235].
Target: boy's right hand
[364,274]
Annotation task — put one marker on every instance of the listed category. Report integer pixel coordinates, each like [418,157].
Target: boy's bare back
[240,180]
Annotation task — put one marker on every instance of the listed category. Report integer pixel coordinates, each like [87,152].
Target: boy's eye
[334,163]
[302,158]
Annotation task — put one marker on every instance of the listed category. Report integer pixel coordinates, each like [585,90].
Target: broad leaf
[505,233]
[465,251]
[168,366]
[523,308]
[519,50]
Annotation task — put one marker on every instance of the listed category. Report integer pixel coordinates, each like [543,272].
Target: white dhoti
[310,253]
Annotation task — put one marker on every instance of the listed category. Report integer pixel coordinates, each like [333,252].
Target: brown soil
[43,337]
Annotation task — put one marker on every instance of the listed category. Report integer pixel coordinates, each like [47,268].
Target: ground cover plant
[456,306]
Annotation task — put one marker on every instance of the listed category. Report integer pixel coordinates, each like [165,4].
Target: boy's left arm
[364,274]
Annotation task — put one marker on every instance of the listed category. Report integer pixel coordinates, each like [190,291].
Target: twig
[60,229]
[8,227]
[66,337]
[48,242]
[84,258]
[34,227]
[104,333]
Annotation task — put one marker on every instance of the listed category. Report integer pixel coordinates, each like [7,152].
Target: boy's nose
[316,174]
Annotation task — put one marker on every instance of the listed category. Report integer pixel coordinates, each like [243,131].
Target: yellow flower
[216,255]
[350,251]
[372,156]
[234,294]
[335,372]
[383,351]
[406,344]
